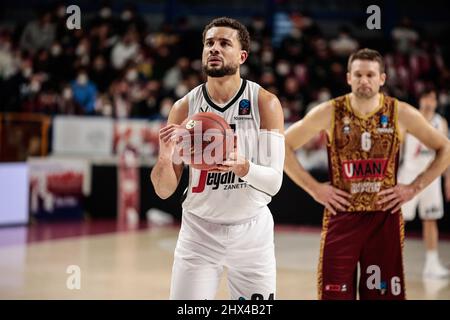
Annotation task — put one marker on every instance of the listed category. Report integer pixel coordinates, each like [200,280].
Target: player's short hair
[244,36]
[427,91]
[366,54]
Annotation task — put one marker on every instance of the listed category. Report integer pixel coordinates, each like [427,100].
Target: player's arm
[166,174]
[267,174]
[447,171]
[411,120]
[297,135]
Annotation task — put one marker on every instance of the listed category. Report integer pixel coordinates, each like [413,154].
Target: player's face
[429,102]
[222,53]
[365,78]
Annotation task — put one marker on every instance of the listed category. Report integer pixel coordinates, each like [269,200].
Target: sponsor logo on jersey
[346,127]
[190,124]
[204,109]
[368,187]
[224,181]
[244,107]
[361,169]
[384,121]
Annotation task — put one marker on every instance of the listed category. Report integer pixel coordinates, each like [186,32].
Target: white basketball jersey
[223,197]
[417,156]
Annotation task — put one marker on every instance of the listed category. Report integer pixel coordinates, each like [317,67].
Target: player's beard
[364,94]
[225,70]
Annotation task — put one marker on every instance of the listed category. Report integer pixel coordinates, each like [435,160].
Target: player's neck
[222,89]
[365,106]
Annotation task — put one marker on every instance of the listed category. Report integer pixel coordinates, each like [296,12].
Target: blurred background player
[416,158]
[226,221]
[362,222]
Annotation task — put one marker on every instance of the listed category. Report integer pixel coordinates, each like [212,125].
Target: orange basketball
[207,140]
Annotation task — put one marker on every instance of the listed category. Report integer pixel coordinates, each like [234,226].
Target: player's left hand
[393,198]
[236,163]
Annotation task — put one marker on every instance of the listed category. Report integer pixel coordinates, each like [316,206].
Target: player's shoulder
[405,110]
[267,100]
[179,110]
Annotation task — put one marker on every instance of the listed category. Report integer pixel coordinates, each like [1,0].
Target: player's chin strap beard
[222,72]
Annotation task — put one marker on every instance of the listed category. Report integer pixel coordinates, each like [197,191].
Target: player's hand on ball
[393,198]
[168,138]
[331,198]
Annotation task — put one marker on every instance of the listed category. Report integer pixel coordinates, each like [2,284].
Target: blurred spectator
[101,73]
[38,34]
[126,49]
[175,74]
[404,36]
[130,18]
[8,65]
[344,44]
[84,92]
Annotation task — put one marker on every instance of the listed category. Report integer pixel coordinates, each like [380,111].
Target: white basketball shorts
[246,249]
[430,201]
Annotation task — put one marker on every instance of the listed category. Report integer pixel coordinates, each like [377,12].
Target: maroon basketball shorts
[372,239]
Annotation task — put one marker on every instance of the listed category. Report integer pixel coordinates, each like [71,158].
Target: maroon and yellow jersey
[363,151]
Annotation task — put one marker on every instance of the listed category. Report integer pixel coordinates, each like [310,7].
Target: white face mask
[35,86]
[81,49]
[324,96]
[67,93]
[282,68]
[165,108]
[132,75]
[267,57]
[56,50]
[82,79]
[126,15]
[105,13]
[27,72]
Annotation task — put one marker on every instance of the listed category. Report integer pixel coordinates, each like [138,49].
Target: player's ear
[382,79]
[244,56]
[349,78]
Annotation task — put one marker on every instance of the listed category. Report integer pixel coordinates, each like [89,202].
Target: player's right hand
[168,138]
[333,199]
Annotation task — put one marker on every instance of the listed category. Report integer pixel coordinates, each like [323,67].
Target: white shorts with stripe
[246,249]
[429,201]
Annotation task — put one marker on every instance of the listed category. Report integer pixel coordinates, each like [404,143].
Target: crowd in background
[115,67]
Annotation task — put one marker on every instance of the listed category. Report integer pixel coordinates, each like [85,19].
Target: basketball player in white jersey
[416,158]
[225,220]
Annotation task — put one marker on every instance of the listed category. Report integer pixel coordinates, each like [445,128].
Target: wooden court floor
[137,265]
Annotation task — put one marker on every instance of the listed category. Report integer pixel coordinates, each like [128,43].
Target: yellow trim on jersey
[331,135]
[362,116]
[397,127]
[325,223]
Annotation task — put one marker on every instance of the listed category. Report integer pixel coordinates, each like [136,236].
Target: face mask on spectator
[56,50]
[35,86]
[27,72]
[105,12]
[81,49]
[67,93]
[165,108]
[324,95]
[82,79]
[267,57]
[282,68]
[126,15]
[132,75]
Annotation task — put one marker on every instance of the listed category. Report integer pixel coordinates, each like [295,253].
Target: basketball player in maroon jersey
[362,221]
